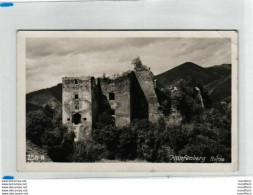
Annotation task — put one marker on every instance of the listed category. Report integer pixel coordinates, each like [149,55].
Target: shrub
[108,137]
[152,140]
[59,143]
[87,152]
[177,136]
[127,146]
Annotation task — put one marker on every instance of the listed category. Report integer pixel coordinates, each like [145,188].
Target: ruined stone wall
[199,98]
[119,99]
[139,104]
[146,81]
[77,103]
[108,86]
[122,99]
[95,100]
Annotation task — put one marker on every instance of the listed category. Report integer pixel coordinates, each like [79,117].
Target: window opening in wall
[68,119]
[111,96]
[76,119]
[84,119]
[112,112]
[76,81]
[76,96]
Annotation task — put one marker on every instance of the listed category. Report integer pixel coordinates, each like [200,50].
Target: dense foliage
[44,128]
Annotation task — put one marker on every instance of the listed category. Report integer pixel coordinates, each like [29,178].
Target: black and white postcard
[127,101]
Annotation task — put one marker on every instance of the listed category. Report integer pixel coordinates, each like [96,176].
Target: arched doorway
[76,118]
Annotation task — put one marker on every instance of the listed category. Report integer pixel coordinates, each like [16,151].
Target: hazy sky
[50,59]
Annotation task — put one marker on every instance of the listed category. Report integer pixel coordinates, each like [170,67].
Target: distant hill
[183,71]
[221,70]
[221,90]
[216,80]
[38,99]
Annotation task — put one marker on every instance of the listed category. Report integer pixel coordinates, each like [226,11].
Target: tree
[36,124]
[59,143]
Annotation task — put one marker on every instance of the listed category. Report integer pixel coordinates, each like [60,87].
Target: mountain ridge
[189,69]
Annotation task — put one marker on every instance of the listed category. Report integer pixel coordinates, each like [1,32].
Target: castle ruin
[129,96]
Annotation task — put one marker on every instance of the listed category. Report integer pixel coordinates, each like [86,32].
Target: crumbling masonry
[129,96]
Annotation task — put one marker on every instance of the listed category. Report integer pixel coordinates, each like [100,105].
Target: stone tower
[77,105]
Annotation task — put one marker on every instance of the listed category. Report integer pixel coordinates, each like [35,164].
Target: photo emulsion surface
[128,99]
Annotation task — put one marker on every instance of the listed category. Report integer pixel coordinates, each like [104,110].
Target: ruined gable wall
[82,105]
[146,81]
[139,104]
